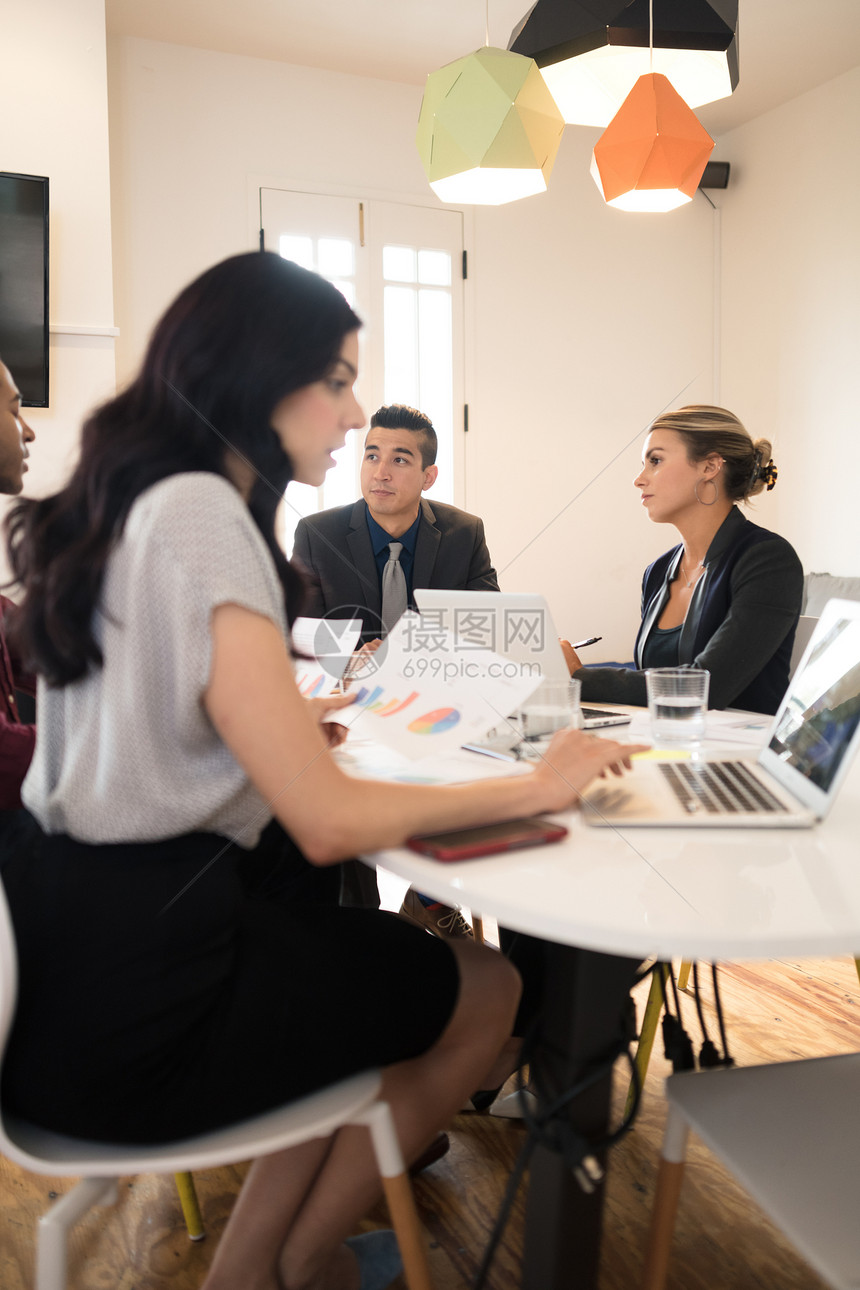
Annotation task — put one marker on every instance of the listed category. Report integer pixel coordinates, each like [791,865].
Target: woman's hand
[320,707]
[571,657]
[575,758]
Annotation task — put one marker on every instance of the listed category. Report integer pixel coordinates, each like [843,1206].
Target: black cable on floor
[551,1131]
[677,1045]
[727,1059]
[708,1055]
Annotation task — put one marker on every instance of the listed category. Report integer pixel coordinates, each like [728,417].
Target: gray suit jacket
[336,556]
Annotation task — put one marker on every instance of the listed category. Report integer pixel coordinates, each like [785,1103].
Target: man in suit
[344,552]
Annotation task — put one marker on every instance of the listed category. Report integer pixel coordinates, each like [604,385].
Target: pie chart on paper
[436,722]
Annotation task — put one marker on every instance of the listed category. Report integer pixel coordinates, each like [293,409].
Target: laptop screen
[817,724]
[517,625]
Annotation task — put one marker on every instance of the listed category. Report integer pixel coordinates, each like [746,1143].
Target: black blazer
[336,557]
[740,624]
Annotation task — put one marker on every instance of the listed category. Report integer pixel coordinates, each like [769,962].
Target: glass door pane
[399,267]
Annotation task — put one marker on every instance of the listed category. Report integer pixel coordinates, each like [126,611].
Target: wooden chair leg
[684,974]
[857,965]
[190,1206]
[647,1032]
[410,1238]
[666,1195]
[398,1194]
[478,929]
[669,1179]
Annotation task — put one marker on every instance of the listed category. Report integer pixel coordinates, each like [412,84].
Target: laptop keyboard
[720,788]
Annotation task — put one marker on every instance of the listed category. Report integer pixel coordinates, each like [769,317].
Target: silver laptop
[517,625]
[794,781]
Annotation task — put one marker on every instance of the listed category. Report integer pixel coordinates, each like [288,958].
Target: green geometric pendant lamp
[591,52]
[488,129]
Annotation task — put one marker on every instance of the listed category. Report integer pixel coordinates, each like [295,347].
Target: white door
[401,268]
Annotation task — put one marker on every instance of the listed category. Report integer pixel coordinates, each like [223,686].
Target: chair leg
[190,1206]
[684,974]
[51,1249]
[410,1238]
[647,1032]
[478,930]
[857,965]
[666,1195]
[398,1194]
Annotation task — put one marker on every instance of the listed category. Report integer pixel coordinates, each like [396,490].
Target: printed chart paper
[424,698]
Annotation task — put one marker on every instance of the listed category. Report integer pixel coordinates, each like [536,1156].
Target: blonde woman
[728,596]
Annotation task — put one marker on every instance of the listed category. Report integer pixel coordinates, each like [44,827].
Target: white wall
[53,105]
[194,132]
[583,322]
[589,321]
[791,311]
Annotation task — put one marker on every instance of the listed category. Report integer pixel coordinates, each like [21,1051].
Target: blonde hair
[706,429]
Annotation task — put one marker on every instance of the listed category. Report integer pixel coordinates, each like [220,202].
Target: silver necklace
[698,570]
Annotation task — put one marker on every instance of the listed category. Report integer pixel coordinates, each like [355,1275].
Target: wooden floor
[774,1011]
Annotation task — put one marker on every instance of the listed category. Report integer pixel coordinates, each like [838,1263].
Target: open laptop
[811,742]
[517,625]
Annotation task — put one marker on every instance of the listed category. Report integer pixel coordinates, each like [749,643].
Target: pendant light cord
[487,24]
[650,34]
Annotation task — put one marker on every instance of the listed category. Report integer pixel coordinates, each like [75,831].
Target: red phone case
[512,835]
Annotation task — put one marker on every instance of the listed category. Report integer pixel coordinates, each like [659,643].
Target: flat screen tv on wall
[24,283]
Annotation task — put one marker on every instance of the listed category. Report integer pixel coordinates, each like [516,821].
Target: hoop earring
[713,484]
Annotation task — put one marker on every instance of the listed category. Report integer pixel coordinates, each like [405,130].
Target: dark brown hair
[233,344]
[399,416]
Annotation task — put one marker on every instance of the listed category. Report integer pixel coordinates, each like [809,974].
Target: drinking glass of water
[553,706]
[677,703]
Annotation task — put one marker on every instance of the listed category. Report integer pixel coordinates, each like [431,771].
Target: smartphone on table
[486,839]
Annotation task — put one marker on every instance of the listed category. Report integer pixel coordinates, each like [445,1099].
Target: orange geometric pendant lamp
[652,154]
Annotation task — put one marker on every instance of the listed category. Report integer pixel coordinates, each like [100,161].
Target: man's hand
[361,657]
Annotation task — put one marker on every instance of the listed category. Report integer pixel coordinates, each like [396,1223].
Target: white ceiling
[785,46]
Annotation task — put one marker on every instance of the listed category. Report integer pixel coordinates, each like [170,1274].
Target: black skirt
[158,999]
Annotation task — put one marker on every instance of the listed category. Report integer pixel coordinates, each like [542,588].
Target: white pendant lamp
[592,53]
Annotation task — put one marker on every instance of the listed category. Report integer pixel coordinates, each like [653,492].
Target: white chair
[806,625]
[788,1132]
[100,1165]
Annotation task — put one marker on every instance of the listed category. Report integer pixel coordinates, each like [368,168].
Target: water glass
[548,709]
[677,704]
[574,686]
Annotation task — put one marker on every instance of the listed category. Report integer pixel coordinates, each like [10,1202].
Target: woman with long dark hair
[157,998]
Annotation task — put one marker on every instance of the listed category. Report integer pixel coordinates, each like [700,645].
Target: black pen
[592,640]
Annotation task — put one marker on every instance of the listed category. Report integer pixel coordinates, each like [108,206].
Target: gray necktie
[394,597]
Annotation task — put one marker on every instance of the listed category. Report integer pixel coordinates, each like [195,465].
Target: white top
[128,754]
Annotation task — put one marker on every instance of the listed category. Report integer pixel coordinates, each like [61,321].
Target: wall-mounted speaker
[715,175]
